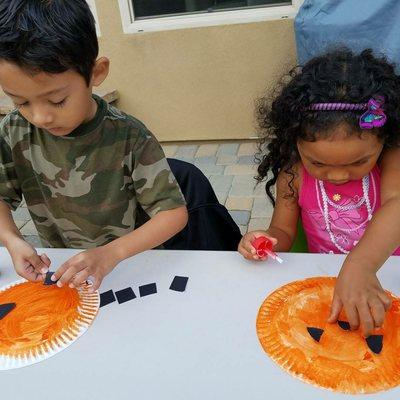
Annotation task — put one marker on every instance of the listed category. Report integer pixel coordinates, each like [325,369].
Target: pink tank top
[335,216]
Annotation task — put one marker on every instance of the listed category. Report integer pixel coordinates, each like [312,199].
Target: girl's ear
[100,71]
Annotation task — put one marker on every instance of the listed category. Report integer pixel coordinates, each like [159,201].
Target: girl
[329,143]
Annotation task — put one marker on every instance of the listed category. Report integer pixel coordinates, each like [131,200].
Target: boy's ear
[100,71]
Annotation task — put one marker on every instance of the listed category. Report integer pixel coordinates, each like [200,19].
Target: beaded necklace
[325,201]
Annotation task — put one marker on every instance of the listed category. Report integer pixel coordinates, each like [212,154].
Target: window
[155,15]
[92,6]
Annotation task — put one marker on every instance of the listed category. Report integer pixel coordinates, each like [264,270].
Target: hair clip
[374,117]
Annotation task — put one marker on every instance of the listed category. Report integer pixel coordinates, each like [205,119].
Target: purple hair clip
[374,117]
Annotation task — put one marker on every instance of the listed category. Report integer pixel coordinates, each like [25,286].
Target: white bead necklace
[326,201]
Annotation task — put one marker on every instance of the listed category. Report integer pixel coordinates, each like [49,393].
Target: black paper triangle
[375,343]
[344,325]
[6,308]
[315,333]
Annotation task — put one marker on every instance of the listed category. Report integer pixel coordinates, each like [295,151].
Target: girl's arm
[283,227]
[382,236]
[358,290]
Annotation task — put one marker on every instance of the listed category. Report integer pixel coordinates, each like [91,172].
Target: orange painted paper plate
[292,329]
[45,320]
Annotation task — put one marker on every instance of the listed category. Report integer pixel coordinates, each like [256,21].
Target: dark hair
[50,36]
[337,76]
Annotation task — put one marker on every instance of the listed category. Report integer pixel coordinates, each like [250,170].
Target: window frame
[93,9]
[244,15]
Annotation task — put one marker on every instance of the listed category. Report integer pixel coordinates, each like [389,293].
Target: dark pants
[210,226]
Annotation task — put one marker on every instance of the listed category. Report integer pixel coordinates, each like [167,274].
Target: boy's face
[58,103]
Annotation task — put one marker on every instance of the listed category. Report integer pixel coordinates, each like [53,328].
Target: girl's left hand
[361,295]
[96,263]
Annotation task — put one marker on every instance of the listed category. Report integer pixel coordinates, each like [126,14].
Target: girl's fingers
[336,307]
[378,312]
[352,316]
[385,299]
[366,319]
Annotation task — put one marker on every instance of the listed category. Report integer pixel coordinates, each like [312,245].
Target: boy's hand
[27,262]
[95,263]
[361,295]
[247,250]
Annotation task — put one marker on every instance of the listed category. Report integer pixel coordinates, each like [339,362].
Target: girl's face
[341,157]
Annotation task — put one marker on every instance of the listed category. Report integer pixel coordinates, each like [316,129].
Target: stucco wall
[194,84]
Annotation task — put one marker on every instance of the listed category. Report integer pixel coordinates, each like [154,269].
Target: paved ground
[229,167]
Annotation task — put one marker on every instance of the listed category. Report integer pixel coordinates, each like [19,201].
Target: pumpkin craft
[293,330]
[43,321]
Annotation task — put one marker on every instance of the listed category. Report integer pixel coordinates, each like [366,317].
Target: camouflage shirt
[82,190]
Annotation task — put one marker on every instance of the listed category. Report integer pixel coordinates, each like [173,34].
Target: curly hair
[337,76]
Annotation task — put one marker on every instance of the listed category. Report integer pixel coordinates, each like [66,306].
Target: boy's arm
[358,289]
[25,259]
[159,195]
[27,262]
[98,262]
[9,230]
[154,232]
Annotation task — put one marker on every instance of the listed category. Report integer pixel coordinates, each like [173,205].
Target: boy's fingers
[60,271]
[38,264]
[366,320]
[336,307]
[96,283]
[45,259]
[378,313]
[27,271]
[79,278]
[69,273]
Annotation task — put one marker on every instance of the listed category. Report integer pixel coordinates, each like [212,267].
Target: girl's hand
[27,262]
[95,263]
[361,295]
[247,250]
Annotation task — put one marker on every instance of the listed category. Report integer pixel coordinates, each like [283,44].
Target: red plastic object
[262,245]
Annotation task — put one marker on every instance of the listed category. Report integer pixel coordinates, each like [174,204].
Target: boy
[82,165]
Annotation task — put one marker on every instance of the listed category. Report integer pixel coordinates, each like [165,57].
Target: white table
[200,344]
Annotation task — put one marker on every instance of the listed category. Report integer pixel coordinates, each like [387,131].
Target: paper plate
[45,321]
[341,360]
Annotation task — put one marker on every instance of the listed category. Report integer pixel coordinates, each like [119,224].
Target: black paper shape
[47,279]
[315,333]
[146,290]
[179,283]
[375,343]
[344,325]
[106,298]
[125,295]
[6,308]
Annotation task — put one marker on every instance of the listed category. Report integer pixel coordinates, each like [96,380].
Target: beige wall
[194,84]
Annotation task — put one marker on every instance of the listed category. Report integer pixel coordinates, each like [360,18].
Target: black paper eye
[375,343]
[344,325]
[6,308]
[315,333]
